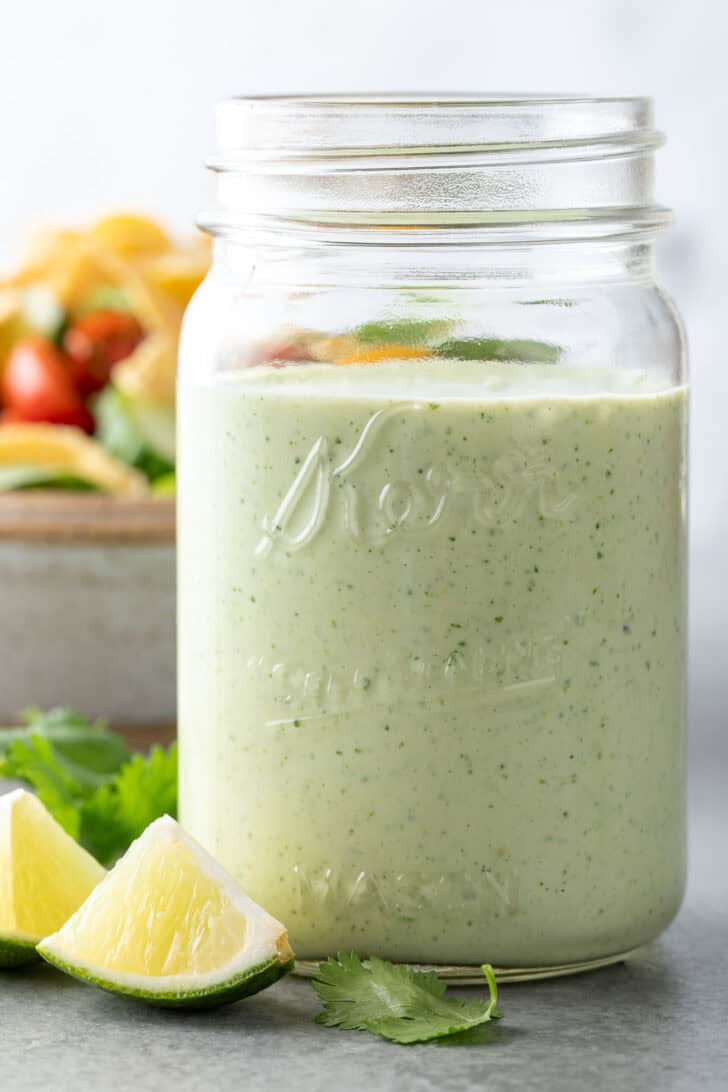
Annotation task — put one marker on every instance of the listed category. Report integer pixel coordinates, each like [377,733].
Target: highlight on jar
[431,520]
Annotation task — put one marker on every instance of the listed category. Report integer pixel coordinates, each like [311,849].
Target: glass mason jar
[432,530]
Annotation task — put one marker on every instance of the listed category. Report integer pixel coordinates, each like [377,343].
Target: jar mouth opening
[282,127]
[426,159]
[434,98]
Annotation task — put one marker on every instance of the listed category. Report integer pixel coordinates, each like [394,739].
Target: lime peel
[242,985]
[16,951]
[167,901]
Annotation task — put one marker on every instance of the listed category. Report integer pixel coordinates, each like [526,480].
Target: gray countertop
[658,1022]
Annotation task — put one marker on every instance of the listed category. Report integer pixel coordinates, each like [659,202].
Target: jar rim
[311,125]
[407,157]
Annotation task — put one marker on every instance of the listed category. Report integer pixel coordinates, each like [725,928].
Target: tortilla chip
[150,372]
[64,450]
[130,235]
[177,274]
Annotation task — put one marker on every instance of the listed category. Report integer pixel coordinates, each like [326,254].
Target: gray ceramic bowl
[87,606]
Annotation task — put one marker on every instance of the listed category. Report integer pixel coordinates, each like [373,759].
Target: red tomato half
[94,343]
[36,386]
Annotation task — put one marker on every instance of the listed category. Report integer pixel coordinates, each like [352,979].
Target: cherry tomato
[280,353]
[36,386]
[95,343]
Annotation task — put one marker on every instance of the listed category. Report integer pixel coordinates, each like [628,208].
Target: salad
[88,356]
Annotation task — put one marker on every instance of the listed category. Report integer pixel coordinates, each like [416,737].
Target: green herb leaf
[85,754]
[34,761]
[121,810]
[154,466]
[85,776]
[400,1004]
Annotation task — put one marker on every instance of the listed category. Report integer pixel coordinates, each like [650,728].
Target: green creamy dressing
[431,654]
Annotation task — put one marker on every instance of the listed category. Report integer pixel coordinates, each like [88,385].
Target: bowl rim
[85,518]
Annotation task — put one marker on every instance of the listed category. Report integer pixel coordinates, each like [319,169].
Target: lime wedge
[169,926]
[44,876]
[14,952]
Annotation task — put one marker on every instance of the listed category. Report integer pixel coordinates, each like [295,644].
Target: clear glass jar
[432,531]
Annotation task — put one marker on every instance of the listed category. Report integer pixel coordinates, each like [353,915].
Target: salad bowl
[88,593]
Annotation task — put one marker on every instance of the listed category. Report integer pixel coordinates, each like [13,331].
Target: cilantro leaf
[400,1004]
[85,752]
[118,812]
[83,773]
[33,761]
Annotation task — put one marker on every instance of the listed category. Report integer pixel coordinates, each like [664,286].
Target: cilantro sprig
[400,1004]
[102,795]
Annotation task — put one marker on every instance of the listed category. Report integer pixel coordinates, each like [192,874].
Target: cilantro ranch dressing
[431,560]
[449,692]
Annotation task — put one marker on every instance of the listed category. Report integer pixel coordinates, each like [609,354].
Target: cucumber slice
[404,332]
[156,424]
[14,478]
[43,313]
[521,350]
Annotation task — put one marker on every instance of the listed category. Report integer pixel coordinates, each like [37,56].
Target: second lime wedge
[44,876]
